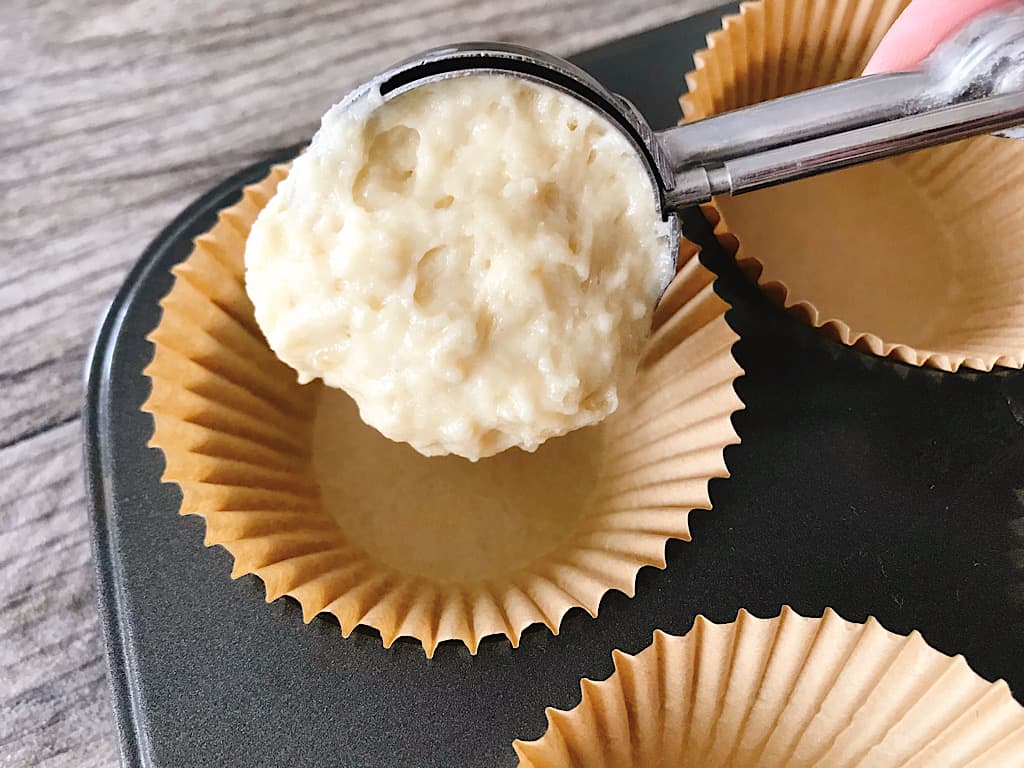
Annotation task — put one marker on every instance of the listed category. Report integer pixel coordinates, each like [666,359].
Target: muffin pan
[861,484]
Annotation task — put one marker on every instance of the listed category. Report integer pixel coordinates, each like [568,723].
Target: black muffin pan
[861,484]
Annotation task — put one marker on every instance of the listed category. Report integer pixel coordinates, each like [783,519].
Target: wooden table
[116,114]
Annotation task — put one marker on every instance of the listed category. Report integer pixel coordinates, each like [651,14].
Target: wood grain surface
[115,116]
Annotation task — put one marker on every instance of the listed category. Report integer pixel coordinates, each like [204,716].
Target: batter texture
[475,262]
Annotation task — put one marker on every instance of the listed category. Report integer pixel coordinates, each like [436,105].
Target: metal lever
[972,84]
[841,150]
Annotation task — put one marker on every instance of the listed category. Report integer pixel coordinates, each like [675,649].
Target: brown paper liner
[913,257]
[788,691]
[324,509]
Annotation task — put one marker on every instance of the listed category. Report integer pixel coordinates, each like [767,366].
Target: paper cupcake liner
[788,691]
[912,258]
[324,509]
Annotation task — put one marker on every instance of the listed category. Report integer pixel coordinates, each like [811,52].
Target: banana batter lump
[475,262]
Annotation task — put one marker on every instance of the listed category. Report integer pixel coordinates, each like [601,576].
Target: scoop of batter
[475,262]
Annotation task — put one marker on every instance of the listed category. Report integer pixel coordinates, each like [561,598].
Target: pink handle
[922,26]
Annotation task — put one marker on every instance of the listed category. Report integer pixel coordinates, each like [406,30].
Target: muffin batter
[475,262]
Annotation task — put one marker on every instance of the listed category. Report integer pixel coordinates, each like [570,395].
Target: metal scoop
[972,84]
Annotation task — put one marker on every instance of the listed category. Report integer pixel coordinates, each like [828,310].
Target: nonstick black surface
[861,484]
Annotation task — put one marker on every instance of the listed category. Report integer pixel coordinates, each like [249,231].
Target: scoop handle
[803,159]
[972,84]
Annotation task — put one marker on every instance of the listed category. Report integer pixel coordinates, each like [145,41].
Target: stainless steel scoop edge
[972,84]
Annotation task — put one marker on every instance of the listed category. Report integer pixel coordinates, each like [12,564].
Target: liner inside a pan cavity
[785,692]
[323,508]
[913,257]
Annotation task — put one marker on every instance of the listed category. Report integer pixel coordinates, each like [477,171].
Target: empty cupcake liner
[913,257]
[788,691]
[326,510]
